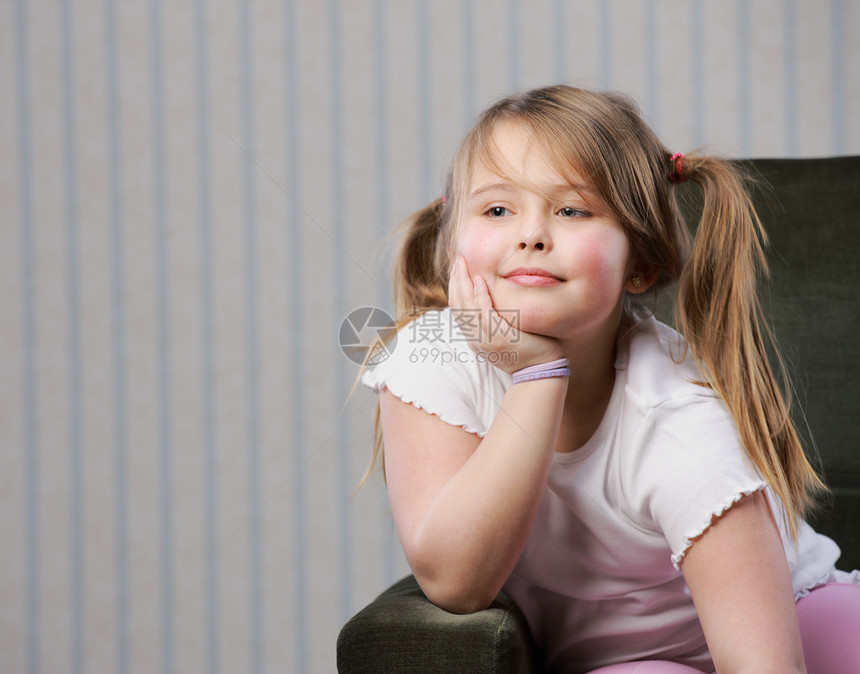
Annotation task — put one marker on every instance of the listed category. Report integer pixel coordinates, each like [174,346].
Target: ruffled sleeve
[432,367]
[694,470]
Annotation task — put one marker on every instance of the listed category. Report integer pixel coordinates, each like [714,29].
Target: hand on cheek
[488,332]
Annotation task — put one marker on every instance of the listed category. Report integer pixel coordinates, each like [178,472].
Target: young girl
[638,494]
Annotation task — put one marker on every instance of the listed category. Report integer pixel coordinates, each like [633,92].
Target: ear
[641,278]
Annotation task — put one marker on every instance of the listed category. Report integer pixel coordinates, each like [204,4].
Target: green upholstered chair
[401,631]
[811,211]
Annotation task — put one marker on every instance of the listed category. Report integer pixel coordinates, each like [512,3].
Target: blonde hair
[602,138]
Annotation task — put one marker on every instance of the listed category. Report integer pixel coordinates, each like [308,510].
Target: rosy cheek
[605,260]
[477,251]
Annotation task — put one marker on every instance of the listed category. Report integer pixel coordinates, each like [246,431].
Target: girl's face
[547,248]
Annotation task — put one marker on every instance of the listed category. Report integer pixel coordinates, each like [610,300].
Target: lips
[533,276]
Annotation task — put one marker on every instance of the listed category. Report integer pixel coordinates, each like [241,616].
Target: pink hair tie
[678,176]
[444,200]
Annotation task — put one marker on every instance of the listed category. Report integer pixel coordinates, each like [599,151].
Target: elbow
[454,582]
[456,595]
[458,601]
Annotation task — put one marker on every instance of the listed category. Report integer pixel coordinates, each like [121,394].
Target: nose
[535,235]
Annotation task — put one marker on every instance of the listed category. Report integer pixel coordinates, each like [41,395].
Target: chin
[538,322]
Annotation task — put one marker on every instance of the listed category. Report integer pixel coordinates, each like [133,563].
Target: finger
[489,317]
[460,296]
[481,293]
[464,285]
[455,282]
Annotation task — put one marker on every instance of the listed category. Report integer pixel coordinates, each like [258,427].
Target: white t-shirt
[598,580]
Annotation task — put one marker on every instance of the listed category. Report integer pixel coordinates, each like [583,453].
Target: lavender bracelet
[555,368]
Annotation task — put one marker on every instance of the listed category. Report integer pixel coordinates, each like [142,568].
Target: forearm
[476,527]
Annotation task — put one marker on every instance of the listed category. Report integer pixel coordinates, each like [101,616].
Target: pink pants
[829,629]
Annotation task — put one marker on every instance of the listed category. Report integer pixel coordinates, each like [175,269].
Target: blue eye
[497,211]
[570,212]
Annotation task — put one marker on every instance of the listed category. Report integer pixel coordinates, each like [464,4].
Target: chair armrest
[401,631]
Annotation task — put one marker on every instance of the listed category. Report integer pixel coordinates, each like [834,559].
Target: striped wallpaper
[193,195]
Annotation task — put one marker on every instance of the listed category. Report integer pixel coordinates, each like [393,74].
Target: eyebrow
[561,188]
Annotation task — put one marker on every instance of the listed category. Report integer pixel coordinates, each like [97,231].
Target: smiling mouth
[532,276]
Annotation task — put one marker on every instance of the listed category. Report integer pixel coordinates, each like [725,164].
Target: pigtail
[420,283]
[718,311]
[420,277]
